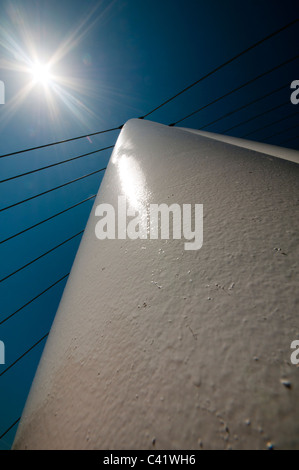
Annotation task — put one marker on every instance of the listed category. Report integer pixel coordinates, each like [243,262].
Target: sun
[41,74]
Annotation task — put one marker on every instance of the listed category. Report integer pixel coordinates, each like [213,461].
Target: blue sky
[112,61]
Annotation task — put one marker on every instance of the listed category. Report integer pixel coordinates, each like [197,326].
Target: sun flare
[41,74]
[46,79]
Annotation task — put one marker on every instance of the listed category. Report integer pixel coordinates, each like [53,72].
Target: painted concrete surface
[274,150]
[155,347]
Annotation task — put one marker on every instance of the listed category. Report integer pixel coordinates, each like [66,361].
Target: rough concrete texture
[155,347]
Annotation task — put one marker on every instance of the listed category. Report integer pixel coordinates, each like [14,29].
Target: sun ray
[13,105]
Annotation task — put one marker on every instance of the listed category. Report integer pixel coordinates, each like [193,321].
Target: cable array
[233,91]
[47,219]
[52,189]
[56,164]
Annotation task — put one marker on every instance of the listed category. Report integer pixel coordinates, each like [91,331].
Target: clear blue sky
[112,61]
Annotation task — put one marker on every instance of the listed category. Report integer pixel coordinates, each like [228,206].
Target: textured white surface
[156,347]
[273,150]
